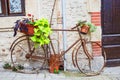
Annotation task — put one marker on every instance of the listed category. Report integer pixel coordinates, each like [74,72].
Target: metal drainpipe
[38,5]
[64,26]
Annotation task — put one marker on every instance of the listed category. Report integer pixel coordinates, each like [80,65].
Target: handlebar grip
[75,26]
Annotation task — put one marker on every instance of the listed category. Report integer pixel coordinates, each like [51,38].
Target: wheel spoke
[21,57]
[90,66]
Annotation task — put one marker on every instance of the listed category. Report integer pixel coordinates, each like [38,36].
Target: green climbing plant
[41,32]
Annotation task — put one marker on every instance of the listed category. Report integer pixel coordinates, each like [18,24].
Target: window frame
[3,8]
[6,9]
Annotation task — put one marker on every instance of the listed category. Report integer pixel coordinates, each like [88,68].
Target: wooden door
[111,30]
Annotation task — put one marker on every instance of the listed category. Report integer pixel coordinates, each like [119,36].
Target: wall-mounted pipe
[64,27]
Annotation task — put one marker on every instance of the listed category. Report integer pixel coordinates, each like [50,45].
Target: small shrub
[7,66]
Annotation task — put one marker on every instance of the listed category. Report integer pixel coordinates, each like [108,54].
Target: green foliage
[56,71]
[92,27]
[41,32]
[14,69]
[7,66]
[20,67]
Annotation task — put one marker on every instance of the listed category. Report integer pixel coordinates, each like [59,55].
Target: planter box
[84,29]
[54,63]
[27,29]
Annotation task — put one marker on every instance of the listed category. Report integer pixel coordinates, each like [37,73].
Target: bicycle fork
[83,43]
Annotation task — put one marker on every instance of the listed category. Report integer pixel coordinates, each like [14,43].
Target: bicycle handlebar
[82,22]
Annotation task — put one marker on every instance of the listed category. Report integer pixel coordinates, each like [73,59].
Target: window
[12,7]
[0,7]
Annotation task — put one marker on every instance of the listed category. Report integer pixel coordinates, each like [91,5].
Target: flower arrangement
[22,25]
[38,28]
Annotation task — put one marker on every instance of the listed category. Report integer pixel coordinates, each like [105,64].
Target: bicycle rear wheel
[27,59]
[90,66]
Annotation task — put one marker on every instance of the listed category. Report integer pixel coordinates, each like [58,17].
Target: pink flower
[29,14]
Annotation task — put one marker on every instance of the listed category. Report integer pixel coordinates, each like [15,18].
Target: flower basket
[54,63]
[84,29]
[27,29]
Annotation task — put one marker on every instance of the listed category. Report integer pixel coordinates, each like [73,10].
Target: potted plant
[41,32]
[86,27]
[24,25]
[54,63]
[38,28]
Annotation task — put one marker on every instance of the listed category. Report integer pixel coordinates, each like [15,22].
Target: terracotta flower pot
[54,69]
[54,63]
[84,29]
[30,29]
[27,29]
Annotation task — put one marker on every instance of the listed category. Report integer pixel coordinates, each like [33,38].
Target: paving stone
[6,78]
[64,75]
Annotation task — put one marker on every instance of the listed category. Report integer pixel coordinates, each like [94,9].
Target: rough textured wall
[7,34]
[75,10]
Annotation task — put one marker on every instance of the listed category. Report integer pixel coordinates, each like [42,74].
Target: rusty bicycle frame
[81,40]
[76,28]
[72,29]
[31,55]
[63,52]
[83,43]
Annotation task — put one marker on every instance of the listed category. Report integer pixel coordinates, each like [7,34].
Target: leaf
[33,38]
[17,25]
[35,30]
[47,41]
[92,26]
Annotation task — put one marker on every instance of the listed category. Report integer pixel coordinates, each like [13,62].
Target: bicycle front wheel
[27,59]
[90,64]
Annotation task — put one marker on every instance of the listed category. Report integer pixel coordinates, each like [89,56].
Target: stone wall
[75,10]
[6,29]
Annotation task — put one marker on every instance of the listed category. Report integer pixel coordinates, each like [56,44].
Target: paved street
[108,74]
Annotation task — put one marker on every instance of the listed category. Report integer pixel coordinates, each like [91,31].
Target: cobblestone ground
[108,74]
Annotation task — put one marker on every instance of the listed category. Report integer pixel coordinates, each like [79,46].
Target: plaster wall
[75,10]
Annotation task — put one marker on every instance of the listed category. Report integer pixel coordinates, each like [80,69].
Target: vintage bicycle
[82,57]
[28,59]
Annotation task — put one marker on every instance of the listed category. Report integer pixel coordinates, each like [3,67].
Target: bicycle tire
[90,66]
[18,57]
[18,39]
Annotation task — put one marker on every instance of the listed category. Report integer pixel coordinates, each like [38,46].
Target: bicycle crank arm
[34,57]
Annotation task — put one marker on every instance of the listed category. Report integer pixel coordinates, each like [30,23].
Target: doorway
[110,14]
